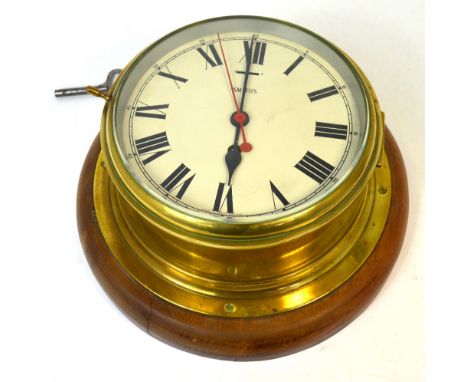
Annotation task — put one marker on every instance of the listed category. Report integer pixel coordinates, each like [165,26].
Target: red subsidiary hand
[239,117]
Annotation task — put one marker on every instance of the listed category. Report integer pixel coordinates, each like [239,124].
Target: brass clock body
[234,271]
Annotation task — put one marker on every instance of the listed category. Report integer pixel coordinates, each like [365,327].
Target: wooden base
[244,338]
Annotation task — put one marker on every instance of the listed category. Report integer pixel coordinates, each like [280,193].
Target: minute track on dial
[254,194]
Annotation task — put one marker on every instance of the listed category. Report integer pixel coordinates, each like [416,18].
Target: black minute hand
[248,63]
[248,59]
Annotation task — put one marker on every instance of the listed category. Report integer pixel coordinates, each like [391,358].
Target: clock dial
[241,125]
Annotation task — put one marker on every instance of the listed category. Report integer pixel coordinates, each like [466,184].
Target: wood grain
[244,338]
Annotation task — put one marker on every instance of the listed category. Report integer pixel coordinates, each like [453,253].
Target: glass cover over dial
[242,119]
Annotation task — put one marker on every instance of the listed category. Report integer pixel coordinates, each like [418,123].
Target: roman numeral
[258,55]
[175,181]
[314,167]
[142,111]
[293,65]
[217,61]
[278,194]
[331,130]
[220,201]
[171,76]
[152,143]
[322,93]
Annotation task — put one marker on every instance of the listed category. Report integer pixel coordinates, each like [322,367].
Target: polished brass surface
[248,280]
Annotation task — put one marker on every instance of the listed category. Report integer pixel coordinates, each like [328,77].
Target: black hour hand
[233,158]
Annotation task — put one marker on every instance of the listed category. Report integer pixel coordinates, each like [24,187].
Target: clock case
[244,291]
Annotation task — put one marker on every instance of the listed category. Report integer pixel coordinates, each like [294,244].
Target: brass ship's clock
[244,200]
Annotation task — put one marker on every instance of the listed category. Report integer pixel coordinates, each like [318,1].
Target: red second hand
[240,116]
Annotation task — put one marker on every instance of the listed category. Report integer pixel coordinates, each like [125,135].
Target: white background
[57,323]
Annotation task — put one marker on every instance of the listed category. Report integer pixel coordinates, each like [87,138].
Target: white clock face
[241,125]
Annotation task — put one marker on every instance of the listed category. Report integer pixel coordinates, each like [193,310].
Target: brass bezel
[222,233]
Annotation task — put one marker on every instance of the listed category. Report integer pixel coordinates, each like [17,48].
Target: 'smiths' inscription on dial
[322,93]
[224,197]
[153,111]
[175,181]
[331,130]
[314,167]
[152,144]
[215,61]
